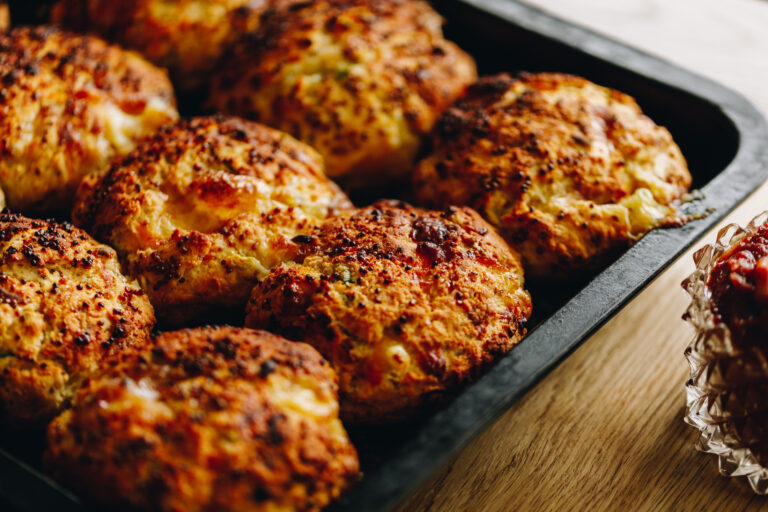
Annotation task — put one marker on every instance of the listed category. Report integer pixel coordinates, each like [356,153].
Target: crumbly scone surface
[406,304]
[209,419]
[568,171]
[205,209]
[65,309]
[69,105]
[362,81]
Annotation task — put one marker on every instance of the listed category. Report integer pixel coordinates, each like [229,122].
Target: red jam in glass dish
[739,287]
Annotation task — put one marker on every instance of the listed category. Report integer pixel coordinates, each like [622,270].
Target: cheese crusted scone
[65,311]
[406,304]
[186,36]
[362,81]
[205,209]
[207,420]
[70,104]
[568,171]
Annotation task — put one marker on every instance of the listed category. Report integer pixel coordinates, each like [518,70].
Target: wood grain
[605,431]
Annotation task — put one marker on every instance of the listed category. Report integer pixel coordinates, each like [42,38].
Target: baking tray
[723,137]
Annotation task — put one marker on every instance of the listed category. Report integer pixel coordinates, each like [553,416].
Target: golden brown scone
[360,80]
[568,171]
[208,420]
[406,304]
[186,36]
[65,309]
[69,104]
[206,208]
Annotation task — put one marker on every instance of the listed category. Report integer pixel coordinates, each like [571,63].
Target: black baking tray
[723,137]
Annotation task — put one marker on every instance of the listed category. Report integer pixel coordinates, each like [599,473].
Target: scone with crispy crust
[186,36]
[568,171]
[360,80]
[70,104]
[406,304]
[65,310]
[208,420]
[205,209]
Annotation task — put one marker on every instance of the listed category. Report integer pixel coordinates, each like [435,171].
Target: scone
[362,81]
[406,304]
[568,171]
[66,310]
[207,420]
[186,36]
[205,209]
[70,104]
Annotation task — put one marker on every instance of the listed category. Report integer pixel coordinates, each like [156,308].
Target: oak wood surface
[604,430]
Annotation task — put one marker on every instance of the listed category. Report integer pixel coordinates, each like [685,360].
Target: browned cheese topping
[205,209]
[65,310]
[69,104]
[405,303]
[208,420]
[568,171]
[360,80]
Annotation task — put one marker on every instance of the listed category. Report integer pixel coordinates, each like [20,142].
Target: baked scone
[406,304]
[69,104]
[203,210]
[65,310]
[186,36]
[568,171]
[360,80]
[208,420]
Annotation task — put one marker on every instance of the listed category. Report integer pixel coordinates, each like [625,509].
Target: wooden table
[604,430]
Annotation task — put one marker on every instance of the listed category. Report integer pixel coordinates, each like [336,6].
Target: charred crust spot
[267,368]
[31,255]
[303,239]
[261,494]
[494,86]
[430,230]
[83,340]
[226,347]
[275,435]
[434,363]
